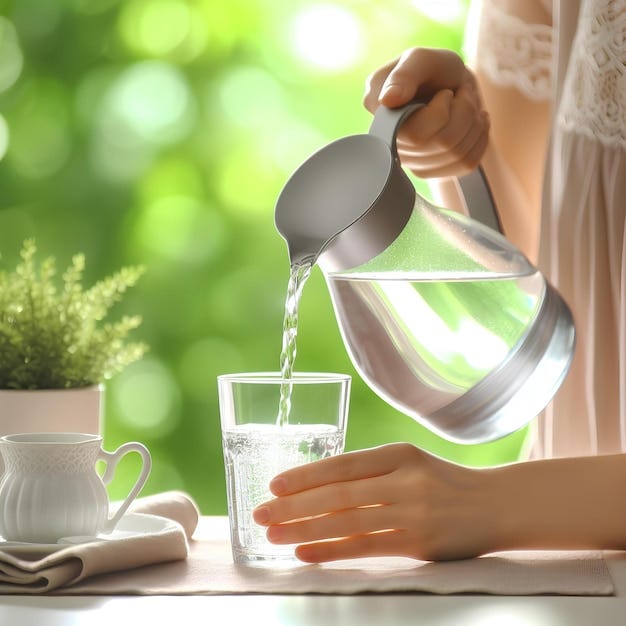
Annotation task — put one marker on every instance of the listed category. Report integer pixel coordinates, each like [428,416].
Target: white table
[318,610]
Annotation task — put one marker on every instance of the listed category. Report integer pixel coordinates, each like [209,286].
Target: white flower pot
[51,410]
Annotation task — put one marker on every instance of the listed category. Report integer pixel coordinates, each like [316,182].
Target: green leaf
[53,339]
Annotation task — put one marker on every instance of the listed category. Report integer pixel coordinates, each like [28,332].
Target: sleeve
[510,42]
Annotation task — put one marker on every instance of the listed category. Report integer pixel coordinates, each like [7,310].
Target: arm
[516,91]
[398,500]
[572,503]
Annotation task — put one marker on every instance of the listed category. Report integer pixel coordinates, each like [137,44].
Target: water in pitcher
[422,342]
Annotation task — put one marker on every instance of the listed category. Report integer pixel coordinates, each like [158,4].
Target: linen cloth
[209,570]
[164,521]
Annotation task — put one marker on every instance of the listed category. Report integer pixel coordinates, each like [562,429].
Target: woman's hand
[447,137]
[398,500]
[391,500]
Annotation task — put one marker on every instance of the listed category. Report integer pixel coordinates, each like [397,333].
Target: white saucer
[131,525]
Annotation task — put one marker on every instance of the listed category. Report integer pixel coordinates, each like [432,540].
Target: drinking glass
[270,424]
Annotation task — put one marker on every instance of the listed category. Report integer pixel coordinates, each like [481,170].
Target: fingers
[423,72]
[392,542]
[449,139]
[446,120]
[392,500]
[344,467]
[449,135]
[462,164]
[386,543]
[457,160]
[345,523]
[427,122]
[326,499]
[374,84]
[418,71]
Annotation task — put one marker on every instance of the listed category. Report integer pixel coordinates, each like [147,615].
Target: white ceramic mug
[50,488]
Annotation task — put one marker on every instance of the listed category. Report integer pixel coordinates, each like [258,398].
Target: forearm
[514,162]
[576,503]
[519,112]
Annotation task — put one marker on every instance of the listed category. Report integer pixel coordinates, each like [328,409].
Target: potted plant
[56,349]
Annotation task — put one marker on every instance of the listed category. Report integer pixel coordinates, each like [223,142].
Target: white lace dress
[579,63]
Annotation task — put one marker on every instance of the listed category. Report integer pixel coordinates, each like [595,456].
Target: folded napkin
[209,569]
[155,530]
[173,505]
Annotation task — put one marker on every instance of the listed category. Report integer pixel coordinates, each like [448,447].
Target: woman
[544,112]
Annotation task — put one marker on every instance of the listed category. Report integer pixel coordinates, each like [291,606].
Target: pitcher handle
[473,186]
[387,121]
[112,459]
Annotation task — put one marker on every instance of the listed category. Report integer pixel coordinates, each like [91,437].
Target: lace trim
[514,53]
[594,92]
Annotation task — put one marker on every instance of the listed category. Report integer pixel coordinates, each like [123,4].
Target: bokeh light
[36,20]
[151,101]
[11,59]
[247,201]
[180,229]
[149,105]
[328,36]
[147,398]
[204,360]
[445,11]
[250,97]
[163,28]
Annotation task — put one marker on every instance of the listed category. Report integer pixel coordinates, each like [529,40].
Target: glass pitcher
[441,315]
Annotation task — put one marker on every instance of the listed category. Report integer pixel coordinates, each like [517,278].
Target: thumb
[395,94]
[421,72]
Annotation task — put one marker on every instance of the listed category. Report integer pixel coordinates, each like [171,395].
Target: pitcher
[441,315]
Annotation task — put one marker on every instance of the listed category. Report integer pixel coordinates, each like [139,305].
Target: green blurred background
[159,132]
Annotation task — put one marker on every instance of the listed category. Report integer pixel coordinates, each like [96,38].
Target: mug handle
[112,459]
